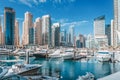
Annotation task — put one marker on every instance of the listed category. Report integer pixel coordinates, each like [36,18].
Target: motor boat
[3,71]
[56,54]
[68,54]
[4,50]
[83,52]
[88,76]
[15,51]
[103,55]
[23,69]
[21,53]
[41,53]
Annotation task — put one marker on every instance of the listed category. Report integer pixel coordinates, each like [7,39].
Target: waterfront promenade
[114,76]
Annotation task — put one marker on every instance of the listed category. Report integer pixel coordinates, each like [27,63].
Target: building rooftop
[9,9]
[100,18]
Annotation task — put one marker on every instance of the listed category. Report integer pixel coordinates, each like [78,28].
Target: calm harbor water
[69,69]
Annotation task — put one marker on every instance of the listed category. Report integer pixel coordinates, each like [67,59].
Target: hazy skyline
[77,13]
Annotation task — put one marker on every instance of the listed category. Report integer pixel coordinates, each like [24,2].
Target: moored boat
[41,53]
[103,55]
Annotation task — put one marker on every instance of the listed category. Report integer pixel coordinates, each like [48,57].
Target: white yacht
[68,54]
[3,71]
[23,69]
[56,54]
[41,53]
[21,53]
[4,50]
[103,55]
[88,76]
[15,51]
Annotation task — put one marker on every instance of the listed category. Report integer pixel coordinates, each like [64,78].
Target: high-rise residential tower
[63,37]
[38,31]
[16,33]
[99,26]
[82,40]
[71,36]
[99,32]
[0,32]
[9,26]
[112,32]
[28,30]
[56,35]
[46,30]
[116,39]
[108,33]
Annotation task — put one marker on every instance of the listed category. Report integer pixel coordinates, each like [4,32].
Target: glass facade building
[56,35]
[31,35]
[9,26]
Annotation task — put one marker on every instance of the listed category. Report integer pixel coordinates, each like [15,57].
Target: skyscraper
[116,26]
[28,30]
[82,41]
[99,26]
[46,30]
[78,44]
[63,37]
[38,31]
[0,32]
[16,33]
[56,35]
[108,33]
[71,36]
[112,32]
[99,32]
[9,26]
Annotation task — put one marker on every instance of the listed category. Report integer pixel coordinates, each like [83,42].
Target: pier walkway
[114,76]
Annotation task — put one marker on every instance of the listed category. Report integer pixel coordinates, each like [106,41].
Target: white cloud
[62,1]
[63,20]
[74,23]
[19,19]
[36,2]
[26,2]
[42,1]
[67,23]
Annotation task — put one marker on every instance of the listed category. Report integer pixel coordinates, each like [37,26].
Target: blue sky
[77,13]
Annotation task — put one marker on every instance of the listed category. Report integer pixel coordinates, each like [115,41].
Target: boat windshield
[103,52]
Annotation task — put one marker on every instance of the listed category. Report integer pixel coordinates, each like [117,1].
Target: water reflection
[70,70]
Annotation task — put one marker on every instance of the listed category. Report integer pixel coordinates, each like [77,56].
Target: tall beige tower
[0,32]
[46,30]
[16,33]
[38,31]
[27,24]
[116,25]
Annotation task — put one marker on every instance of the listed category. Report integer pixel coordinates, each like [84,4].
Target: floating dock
[114,76]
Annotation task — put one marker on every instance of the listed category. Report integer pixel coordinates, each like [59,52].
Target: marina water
[68,69]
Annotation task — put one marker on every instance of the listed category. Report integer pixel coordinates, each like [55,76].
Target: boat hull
[30,72]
